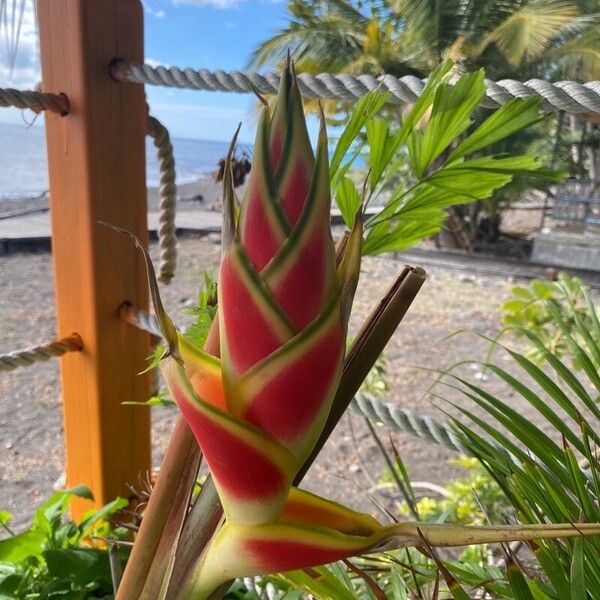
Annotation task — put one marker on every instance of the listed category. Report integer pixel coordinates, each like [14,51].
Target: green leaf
[556,420]
[514,116]
[321,583]
[427,97]
[378,135]
[161,399]
[78,564]
[466,181]
[17,548]
[518,584]
[580,486]
[450,117]
[158,353]
[393,237]
[5,518]
[93,517]
[368,106]
[553,568]
[348,200]
[578,587]
[397,583]
[48,516]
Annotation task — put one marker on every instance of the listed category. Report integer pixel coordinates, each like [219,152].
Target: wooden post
[96,158]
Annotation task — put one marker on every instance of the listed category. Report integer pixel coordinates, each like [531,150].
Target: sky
[212,34]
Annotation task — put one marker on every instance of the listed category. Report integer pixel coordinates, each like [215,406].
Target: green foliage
[56,558]
[474,499]
[547,467]
[551,311]
[204,311]
[443,149]
[550,39]
[162,398]
[399,575]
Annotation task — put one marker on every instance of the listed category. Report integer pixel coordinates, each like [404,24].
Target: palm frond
[529,31]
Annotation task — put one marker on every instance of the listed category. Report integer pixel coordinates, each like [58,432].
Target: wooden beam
[96,159]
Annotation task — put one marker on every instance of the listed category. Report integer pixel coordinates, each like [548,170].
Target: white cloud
[152,62]
[20,65]
[222,4]
[158,14]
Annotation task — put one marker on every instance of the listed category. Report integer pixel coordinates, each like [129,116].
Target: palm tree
[518,38]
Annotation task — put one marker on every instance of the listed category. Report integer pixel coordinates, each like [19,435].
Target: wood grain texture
[96,158]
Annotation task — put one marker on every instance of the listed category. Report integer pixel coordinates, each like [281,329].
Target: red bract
[283,308]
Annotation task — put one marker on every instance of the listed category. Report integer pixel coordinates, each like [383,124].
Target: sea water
[24,172]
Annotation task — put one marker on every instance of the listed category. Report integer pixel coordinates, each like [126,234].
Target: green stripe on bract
[312,215]
[198,413]
[326,335]
[242,551]
[294,346]
[262,174]
[189,351]
[296,152]
[280,123]
[264,298]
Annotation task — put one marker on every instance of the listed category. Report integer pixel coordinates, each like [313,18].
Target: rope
[30,356]
[569,96]
[35,101]
[167,239]
[140,319]
[408,421]
[59,103]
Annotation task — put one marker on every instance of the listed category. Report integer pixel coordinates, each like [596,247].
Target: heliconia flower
[284,300]
[282,316]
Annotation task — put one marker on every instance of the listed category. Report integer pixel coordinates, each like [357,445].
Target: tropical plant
[520,471]
[521,39]
[548,309]
[546,467]
[448,158]
[518,39]
[259,412]
[58,558]
[474,499]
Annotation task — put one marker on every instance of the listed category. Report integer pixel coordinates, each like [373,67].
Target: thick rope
[569,96]
[167,239]
[30,356]
[408,421]
[35,101]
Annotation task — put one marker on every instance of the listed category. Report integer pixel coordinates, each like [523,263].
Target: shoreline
[202,193]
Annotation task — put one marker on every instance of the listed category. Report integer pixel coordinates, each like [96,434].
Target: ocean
[24,167]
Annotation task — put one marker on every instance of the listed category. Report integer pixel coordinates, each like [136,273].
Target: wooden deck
[33,230]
